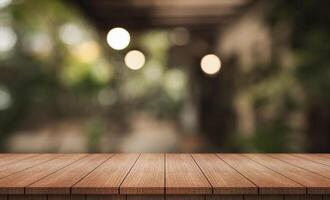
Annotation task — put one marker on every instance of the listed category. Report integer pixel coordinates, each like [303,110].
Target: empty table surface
[165,174]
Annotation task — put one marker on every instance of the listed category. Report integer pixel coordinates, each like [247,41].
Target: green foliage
[94,131]
[310,23]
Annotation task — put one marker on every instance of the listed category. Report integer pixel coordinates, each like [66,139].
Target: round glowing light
[39,44]
[118,38]
[210,64]
[135,59]
[5,99]
[4,3]
[8,38]
[71,34]
[87,52]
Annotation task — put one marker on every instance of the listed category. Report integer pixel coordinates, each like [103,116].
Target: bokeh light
[175,82]
[71,34]
[135,59]
[118,38]
[39,44]
[4,3]
[5,99]
[210,64]
[101,71]
[153,71]
[8,38]
[87,51]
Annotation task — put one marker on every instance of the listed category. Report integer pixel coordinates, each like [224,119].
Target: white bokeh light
[8,38]
[210,64]
[4,3]
[39,44]
[118,38]
[71,34]
[5,99]
[135,59]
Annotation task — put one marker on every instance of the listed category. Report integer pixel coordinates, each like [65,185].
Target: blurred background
[164,76]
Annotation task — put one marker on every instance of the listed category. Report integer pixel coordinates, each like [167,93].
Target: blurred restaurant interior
[164,76]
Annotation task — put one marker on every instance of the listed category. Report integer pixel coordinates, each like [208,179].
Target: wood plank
[319,158]
[146,177]
[7,170]
[327,155]
[107,178]
[6,159]
[315,183]
[305,164]
[223,178]
[183,176]
[14,184]
[3,197]
[61,181]
[268,181]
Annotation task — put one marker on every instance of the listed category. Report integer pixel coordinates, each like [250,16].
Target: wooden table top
[160,174]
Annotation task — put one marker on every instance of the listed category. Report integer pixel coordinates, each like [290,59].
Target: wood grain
[223,178]
[318,168]
[183,176]
[6,159]
[268,181]
[315,183]
[318,158]
[107,178]
[21,165]
[61,181]
[146,177]
[14,184]
[159,176]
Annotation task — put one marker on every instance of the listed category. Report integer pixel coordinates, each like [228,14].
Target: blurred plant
[54,65]
[310,39]
[94,131]
[283,104]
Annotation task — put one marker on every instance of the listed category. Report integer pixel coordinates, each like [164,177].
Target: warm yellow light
[86,52]
[118,38]
[134,59]
[210,64]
